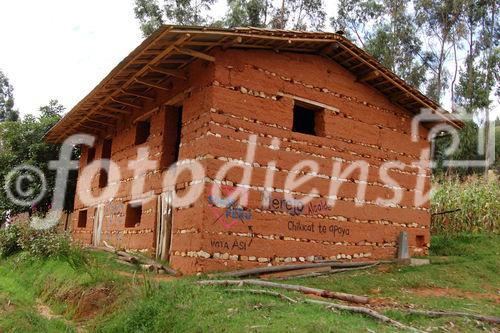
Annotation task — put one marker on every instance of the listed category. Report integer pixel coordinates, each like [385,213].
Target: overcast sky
[61,49]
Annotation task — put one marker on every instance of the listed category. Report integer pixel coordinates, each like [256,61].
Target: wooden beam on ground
[171,72]
[194,53]
[302,289]
[152,84]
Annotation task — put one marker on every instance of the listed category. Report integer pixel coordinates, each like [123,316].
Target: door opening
[171,136]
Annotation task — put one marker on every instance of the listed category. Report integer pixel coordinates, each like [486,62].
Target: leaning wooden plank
[488,319]
[284,268]
[365,311]
[302,289]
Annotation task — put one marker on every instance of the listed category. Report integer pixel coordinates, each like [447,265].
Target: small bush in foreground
[41,244]
[9,241]
[468,206]
[44,243]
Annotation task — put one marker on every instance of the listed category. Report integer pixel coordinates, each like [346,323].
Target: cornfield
[465,206]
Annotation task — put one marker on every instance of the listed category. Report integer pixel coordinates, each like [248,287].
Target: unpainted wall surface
[250,95]
[249,92]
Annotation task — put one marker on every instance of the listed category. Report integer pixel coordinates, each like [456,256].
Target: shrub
[9,241]
[44,243]
[472,206]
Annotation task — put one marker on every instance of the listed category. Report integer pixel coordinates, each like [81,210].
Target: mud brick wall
[247,98]
[161,144]
[248,92]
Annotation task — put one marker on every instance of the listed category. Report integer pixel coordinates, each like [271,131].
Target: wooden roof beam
[369,76]
[146,115]
[100,122]
[232,42]
[107,114]
[151,84]
[136,94]
[93,129]
[171,72]
[381,83]
[185,36]
[357,65]
[328,49]
[116,110]
[135,106]
[194,53]
[179,97]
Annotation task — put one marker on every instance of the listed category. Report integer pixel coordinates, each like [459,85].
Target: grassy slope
[141,304]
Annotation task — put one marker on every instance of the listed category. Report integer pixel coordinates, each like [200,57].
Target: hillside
[104,296]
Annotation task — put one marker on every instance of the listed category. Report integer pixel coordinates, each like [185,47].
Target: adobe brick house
[196,94]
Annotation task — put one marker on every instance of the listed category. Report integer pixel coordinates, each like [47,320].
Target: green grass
[466,264]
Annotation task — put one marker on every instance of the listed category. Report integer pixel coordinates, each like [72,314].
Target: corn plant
[466,206]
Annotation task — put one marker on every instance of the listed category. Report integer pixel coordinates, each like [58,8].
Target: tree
[441,21]
[396,45]
[52,110]
[152,15]
[467,150]
[386,29]
[7,112]
[21,142]
[299,15]
[480,74]
[253,13]
[354,17]
[283,14]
